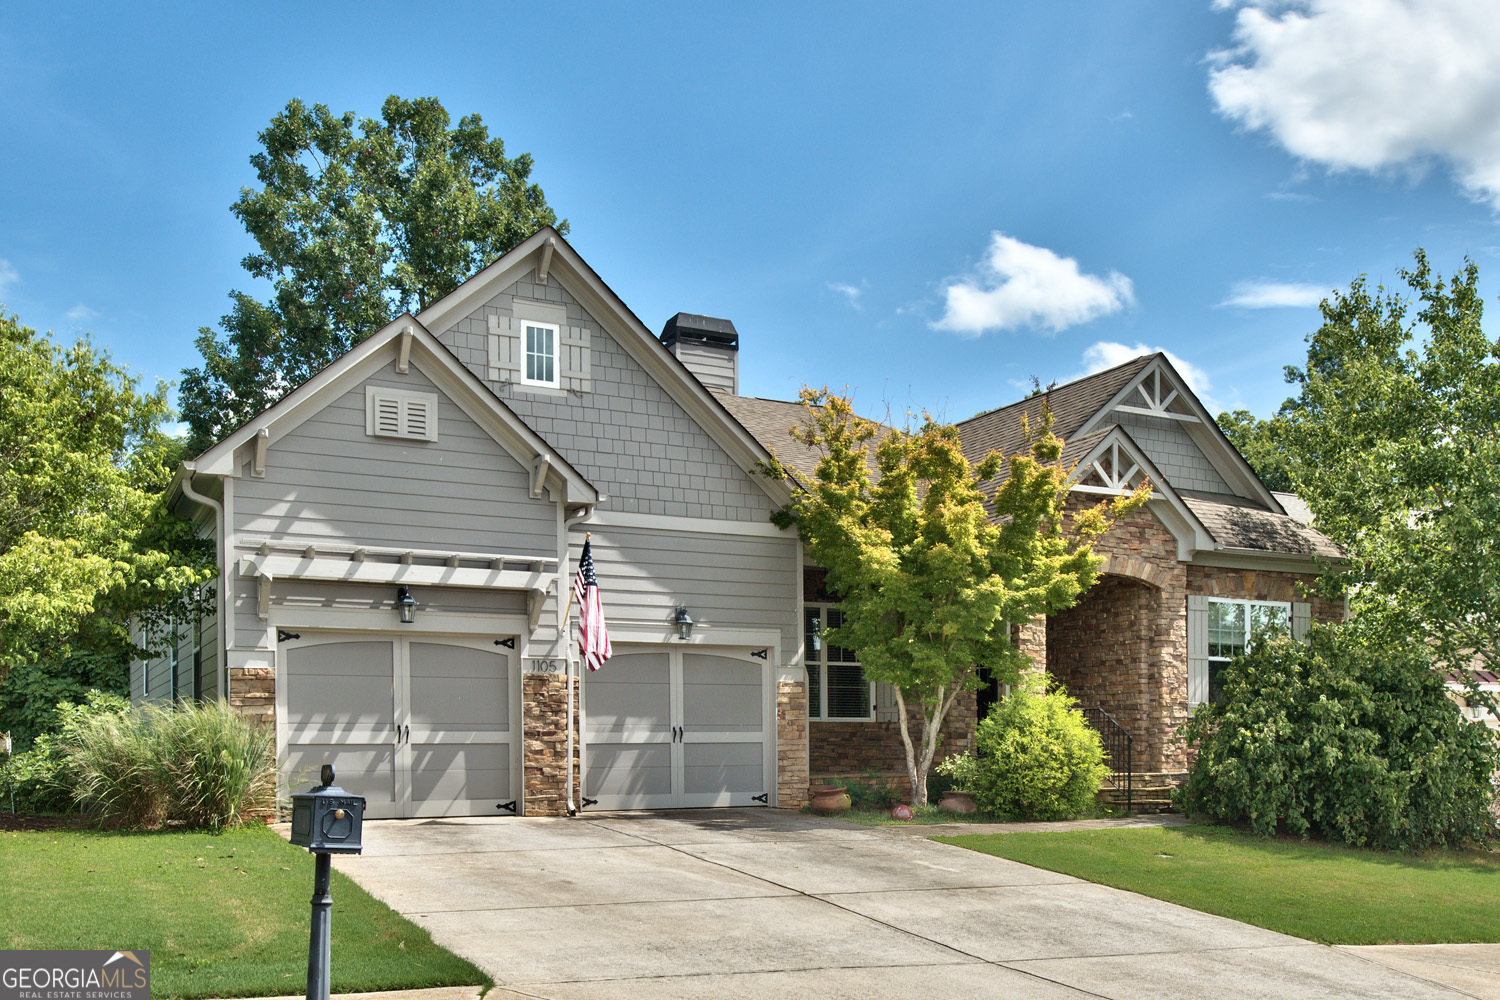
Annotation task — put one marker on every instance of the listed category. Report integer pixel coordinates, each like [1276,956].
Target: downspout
[220,622]
[565,586]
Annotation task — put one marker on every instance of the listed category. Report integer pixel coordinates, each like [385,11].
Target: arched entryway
[1100,650]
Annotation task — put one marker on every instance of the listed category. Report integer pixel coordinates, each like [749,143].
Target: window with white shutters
[539,354]
[401,413]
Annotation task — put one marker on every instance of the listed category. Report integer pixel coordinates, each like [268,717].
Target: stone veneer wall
[1131,661]
[1260,585]
[544,744]
[252,693]
[1100,650]
[791,744]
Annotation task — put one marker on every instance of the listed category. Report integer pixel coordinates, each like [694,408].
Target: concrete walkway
[755,904]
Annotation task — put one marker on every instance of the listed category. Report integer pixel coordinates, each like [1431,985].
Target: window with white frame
[539,353]
[1233,626]
[836,684]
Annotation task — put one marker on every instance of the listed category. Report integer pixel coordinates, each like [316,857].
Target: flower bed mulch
[47,821]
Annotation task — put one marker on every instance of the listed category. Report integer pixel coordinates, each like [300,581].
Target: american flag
[593,633]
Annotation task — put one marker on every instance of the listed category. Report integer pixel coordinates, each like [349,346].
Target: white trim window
[539,353]
[836,686]
[1233,627]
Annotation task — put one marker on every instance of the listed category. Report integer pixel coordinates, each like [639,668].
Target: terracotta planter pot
[958,802]
[828,800]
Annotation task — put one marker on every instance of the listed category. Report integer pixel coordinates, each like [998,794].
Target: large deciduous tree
[1395,444]
[84,539]
[929,581]
[1263,444]
[354,224]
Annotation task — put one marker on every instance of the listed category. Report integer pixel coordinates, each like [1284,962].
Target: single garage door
[420,726]
[674,728]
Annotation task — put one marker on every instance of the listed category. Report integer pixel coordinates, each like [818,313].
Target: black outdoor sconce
[406,605]
[326,821]
[683,622]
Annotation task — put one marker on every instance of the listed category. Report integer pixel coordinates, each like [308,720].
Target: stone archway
[1100,649]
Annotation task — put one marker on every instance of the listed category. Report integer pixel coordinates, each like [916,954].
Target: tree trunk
[919,760]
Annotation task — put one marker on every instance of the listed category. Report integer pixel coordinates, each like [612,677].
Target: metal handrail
[1115,738]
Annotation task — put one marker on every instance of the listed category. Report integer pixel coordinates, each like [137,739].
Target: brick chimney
[709,347]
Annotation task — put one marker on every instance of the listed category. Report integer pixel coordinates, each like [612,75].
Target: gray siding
[1169,445]
[715,367]
[725,581]
[330,481]
[627,436]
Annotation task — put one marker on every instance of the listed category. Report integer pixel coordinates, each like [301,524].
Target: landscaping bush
[870,792]
[31,692]
[40,779]
[1036,757]
[1344,739]
[199,765]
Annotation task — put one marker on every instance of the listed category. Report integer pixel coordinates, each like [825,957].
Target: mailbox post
[326,820]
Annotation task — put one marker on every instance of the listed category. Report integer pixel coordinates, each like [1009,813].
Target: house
[399,534]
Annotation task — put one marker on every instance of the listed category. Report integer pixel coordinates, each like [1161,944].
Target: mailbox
[328,820]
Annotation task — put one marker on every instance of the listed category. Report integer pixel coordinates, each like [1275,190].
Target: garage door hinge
[509,807]
[760,654]
[586,802]
[763,798]
[282,635]
[509,643]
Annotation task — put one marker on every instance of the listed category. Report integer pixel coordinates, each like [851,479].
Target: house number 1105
[543,666]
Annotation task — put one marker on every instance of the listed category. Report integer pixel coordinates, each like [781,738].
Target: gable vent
[400,413]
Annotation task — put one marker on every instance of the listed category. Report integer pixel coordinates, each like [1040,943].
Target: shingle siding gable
[627,435]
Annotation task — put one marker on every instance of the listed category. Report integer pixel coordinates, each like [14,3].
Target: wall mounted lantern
[406,605]
[683,622]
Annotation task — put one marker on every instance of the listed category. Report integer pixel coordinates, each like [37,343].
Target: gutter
[220,622]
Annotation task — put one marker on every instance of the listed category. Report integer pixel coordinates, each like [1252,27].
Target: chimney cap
[695,329]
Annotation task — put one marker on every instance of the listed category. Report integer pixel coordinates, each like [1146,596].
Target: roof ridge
[1140,359]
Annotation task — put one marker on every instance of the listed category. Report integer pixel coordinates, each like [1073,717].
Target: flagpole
[567,641]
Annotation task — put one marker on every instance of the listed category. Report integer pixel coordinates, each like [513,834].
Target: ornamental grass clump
[1036,757]
[201,766]
[1343,738]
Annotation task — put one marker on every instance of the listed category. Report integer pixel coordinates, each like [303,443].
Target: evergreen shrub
[1342,738]
[1036,757]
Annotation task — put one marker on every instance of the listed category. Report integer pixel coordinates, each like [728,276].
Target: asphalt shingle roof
[1239,523]
[1072,406]
[1233,521]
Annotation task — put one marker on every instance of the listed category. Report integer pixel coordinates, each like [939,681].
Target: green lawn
[223,916]
[1335,895]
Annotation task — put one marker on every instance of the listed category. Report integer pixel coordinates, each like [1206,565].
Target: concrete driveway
[758,903]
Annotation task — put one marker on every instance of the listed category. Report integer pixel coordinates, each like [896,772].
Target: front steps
[1151,791]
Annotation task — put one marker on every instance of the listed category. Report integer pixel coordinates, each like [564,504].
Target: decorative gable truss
[506,352]
[1111,470]
[1156,396]
[1115,465]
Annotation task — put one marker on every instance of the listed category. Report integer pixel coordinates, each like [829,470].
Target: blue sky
[929,204]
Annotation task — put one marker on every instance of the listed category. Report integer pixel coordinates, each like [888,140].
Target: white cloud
[81,313]
[1017,284]
[1370,85]
[1107,354]
[849,292]
[1274,295]
[8,275]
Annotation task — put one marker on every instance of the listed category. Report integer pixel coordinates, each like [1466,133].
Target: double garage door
[430,725]
[678,728]
[420,726]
